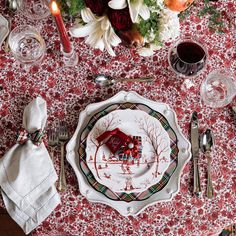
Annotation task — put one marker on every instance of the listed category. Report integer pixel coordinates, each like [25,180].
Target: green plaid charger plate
[122,196]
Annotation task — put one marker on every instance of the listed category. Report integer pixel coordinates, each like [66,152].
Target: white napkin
[27,174]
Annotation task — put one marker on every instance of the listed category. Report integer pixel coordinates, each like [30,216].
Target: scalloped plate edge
[134,207]
[4,22]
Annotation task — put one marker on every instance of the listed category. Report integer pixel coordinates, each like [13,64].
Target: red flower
[134,149]
[97,7]
[120,19]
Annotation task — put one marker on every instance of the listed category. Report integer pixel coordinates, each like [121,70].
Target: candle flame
[54,7]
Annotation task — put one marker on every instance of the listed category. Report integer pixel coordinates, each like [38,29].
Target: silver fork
[63,136]
[53,141]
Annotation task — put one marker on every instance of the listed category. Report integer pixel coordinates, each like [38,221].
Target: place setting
[139,174]
[126,117]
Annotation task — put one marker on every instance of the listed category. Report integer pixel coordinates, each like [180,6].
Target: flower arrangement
[144,24]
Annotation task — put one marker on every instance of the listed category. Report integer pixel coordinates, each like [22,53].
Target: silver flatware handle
[210,190]
[141,79]
[196,178]
[62,178]
[52,155]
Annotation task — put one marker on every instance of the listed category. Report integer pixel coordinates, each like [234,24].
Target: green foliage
[150,28]
[72,7]
[225,233]
[215,21]
[150,3]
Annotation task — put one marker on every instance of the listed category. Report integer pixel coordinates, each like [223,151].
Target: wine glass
[27,45]
[187,57]
[218,89]
[34,9]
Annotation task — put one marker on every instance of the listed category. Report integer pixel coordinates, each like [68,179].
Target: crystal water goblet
[27,45]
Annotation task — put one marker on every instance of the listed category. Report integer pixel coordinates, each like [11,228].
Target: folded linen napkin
[27,174]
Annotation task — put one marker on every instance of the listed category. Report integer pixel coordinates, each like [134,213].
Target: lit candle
[65,41]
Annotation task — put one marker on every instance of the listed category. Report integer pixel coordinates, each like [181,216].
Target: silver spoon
[206,144]
[104,80]
[11,4]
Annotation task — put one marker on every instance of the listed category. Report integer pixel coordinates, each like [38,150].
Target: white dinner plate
[129,203]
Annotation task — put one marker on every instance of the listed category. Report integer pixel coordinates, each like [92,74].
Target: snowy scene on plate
[129,174]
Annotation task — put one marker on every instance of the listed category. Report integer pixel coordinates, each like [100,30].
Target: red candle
[65,41]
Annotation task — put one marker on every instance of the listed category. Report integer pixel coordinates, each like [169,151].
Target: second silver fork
[53,141]
[63,136]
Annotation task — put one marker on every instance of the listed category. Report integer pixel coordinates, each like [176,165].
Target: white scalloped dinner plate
[166,193]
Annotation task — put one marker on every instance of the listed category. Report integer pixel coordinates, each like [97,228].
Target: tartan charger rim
[123,196]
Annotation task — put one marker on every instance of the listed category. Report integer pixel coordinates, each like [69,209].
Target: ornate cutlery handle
[52,155]
[141,79]
[210,190]
[196,178]
[62,178]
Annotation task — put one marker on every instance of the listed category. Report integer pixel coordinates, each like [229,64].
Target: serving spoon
[104,80]
[206,144]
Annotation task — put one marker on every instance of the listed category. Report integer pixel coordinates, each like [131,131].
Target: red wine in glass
[187,58]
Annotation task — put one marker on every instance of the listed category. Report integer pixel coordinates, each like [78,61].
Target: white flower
[98,30]
[136,7]
[169,25]
[169,29]
[149,50]
[158,7]
[160,4]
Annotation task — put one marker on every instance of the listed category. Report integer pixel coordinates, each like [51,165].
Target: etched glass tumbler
[27,45]
[34,9]
[218,89]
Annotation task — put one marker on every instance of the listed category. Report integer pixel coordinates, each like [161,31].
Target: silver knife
[195,153]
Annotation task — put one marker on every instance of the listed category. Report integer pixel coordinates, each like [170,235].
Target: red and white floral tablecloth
[69,90]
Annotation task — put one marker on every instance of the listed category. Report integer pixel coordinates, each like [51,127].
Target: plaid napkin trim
[131,196]
[36,137]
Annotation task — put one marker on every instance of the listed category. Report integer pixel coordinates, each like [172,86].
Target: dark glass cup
[187,57]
